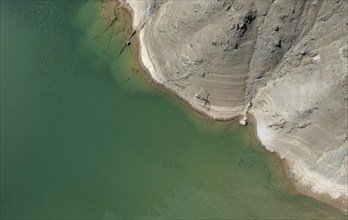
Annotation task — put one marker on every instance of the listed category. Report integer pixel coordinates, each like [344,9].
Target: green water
[84,136]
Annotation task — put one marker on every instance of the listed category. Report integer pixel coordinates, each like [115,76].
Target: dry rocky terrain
[284,62]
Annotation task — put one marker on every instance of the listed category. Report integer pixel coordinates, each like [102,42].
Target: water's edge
[86,135]
[284,169]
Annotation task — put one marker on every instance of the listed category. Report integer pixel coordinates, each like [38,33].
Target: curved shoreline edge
[148,67]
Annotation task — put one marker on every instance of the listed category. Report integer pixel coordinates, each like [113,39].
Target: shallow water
[84,136]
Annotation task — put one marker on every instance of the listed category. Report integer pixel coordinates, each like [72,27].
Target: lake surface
[85,136]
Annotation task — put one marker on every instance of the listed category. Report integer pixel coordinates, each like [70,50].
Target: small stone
[243,121]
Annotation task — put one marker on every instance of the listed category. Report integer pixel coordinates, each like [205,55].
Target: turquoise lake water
[85,136]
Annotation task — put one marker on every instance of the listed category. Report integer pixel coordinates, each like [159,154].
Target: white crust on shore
[284,62]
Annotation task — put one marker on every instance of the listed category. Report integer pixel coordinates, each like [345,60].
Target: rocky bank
[282,62]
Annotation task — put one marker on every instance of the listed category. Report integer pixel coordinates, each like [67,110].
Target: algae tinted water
[84,136]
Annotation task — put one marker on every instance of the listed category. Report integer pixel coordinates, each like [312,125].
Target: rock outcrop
[284,62]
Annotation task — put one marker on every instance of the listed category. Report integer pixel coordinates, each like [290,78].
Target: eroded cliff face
[284,62]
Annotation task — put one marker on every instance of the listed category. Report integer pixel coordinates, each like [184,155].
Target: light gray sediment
[284,62]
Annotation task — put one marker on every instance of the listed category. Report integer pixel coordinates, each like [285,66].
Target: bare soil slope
[284,62]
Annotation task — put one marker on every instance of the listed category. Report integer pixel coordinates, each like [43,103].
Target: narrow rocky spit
[281,62]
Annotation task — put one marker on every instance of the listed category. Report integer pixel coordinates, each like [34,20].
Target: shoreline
[139,60]
[295,188]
